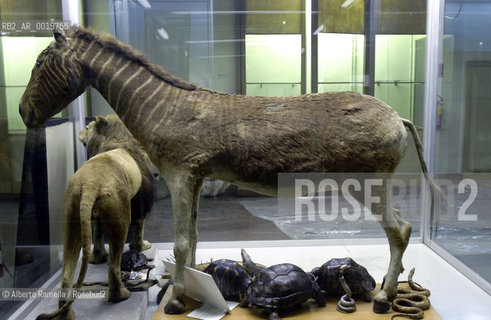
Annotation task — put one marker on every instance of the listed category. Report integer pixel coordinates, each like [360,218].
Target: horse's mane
[113,44]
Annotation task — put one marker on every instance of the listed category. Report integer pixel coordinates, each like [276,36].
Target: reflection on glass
[463,136]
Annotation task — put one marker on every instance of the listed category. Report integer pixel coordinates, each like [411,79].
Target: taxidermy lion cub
[101,191]
[109,133]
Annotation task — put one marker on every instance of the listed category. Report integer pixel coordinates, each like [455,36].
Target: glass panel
[463,136]
[402,17]
[273,17]
[272,89]
[173,34]
[397,95]
[397,63]
[19,55]
[340,62]
[273,61]
[341,16]
[356,87]
[34,164]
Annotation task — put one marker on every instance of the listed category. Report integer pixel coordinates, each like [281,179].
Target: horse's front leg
[398,232]
[182,193]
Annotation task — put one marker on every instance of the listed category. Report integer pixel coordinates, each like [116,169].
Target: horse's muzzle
[28,115]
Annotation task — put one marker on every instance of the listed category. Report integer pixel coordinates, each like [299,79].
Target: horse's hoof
[162,291]
[381,306]
[174,307]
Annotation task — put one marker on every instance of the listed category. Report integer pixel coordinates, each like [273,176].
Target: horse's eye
[38,63]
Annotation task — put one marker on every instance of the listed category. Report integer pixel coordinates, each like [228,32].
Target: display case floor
[133,308]
[308,310]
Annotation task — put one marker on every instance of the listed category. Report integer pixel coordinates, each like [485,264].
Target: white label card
[200,286]
[209,312]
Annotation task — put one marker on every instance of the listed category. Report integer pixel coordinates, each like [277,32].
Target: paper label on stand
[209,312]
[200,286]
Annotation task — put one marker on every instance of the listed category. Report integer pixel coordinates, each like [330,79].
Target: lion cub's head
[105,133]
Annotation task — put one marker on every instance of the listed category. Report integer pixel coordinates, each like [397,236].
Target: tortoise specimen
[360,282]
[231,278]
[278,287]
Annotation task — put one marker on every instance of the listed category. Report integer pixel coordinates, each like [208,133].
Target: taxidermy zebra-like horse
[191,133]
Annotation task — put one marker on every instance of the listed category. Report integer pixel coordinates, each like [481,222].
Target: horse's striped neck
[140,99]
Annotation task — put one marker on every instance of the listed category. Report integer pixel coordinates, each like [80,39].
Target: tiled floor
[453,296]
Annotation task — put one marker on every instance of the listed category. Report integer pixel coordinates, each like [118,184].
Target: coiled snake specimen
[346,303]
[410,303]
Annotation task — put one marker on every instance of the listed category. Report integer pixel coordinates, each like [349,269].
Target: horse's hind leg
[193,231]
[398,232]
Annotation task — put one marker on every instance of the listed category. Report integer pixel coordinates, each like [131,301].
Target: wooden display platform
[307,311]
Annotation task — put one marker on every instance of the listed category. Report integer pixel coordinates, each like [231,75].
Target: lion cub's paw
[98,257]
[123,294]
[144,245]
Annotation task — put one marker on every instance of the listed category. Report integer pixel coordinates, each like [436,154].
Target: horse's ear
[101,124]
[60,39]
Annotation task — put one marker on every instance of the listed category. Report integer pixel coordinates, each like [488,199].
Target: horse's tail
[87,201]
[434,188]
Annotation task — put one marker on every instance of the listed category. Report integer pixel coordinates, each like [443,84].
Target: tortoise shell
[230,277]
[280,286]
[356,276]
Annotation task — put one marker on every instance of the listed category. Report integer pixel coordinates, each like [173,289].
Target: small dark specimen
[231,278]
[133,260]
[279,287]
[360,282]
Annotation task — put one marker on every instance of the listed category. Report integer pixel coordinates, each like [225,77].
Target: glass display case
[428,60]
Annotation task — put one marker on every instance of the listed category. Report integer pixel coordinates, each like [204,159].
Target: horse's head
[56,80]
